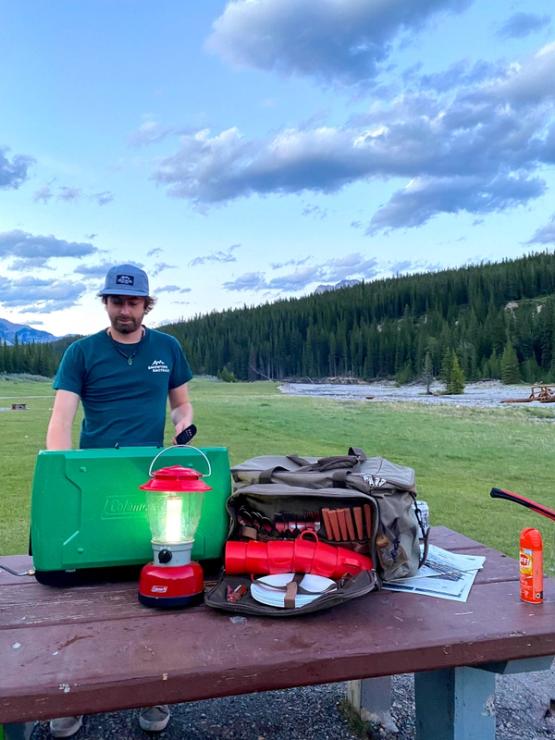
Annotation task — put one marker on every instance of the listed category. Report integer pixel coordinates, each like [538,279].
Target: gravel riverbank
[487,394]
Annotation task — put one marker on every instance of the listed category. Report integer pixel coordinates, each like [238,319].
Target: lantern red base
[171,587]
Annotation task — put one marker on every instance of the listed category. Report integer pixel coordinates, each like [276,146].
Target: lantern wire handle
[172,447]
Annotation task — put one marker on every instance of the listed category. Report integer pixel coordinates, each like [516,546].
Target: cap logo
[125,280]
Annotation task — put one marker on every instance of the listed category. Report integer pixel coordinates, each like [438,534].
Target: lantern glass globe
[174,516]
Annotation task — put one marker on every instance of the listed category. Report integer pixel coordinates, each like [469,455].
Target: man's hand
[58,436]
[181,408]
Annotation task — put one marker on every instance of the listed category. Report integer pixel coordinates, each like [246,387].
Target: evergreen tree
[530,371]
[446,366]
[455,384]
[427,372]
[227,375]
[404,375]
[510,372]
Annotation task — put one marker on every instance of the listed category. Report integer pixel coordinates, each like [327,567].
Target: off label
[526,562]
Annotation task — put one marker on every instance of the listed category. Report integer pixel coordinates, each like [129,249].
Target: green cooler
[88,514]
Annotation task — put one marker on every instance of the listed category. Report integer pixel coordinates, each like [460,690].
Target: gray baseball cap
[125,280]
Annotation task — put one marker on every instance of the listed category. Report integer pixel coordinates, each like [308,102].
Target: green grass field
[458,454]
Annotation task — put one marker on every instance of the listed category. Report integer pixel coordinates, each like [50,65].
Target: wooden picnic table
[95,648]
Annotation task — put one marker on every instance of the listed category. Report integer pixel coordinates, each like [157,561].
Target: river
[486,394]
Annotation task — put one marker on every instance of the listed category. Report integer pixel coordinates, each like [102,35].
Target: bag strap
[333,463]
[291,590]
[354,456]
[325,463]
[425,533]
[422,560]
[266,476]
[299,460]
[358,452]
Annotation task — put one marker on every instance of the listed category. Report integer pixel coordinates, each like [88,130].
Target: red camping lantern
[174,503]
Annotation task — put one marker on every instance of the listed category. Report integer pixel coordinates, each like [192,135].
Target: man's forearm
[58,437]
[182,416]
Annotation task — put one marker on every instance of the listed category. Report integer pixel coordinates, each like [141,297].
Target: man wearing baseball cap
[123,375]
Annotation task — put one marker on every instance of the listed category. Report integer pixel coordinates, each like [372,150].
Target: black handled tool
[518,499]
[186,435]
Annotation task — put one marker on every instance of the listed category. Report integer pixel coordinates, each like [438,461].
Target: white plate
[266,589]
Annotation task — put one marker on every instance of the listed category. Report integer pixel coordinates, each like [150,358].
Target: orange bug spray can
[531,566]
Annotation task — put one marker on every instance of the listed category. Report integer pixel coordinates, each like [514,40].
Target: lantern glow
[173,516]
[174,504]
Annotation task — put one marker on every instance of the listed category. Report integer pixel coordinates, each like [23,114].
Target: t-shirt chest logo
[158,366]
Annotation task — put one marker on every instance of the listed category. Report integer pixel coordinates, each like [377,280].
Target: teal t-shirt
[123,387]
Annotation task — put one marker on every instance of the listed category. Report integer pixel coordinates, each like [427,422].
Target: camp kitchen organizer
[365,505]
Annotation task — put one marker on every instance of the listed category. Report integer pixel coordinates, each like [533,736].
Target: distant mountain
[337,286]
[9,332]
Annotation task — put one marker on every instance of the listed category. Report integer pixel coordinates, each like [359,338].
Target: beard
[126,326]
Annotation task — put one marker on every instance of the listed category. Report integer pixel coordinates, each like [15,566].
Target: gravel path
[317,713]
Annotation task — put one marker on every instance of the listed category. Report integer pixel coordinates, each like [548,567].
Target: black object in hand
[186,435]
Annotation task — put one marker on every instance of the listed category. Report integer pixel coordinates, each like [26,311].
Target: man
[123,376]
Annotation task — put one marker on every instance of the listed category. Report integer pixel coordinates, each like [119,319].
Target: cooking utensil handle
[518,499]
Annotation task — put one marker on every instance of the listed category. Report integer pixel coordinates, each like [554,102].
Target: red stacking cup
[306,554]
[278,559]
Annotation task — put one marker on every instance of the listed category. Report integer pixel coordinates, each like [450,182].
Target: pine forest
[496,320]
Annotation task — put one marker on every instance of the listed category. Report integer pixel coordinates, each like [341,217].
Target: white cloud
[160,266]
[103,198]
[150,132]
[289,263]
[351,266]
[43,194]
[32,295]
[24,245]
[69,193]
[491,135]
[531,82]
[222,255]
[314,211]
[521,24]
[173,289]
[247,281]
[333,41]
[297,280]
[15,172]
[545,234]
[425,197]
[93,271]
[25,264]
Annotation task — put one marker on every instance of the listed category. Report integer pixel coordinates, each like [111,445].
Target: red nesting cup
[306,554]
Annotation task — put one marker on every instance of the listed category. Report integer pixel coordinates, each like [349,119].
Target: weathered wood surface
[94,649]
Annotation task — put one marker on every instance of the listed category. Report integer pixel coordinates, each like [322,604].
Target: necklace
[117,347]
[129,358]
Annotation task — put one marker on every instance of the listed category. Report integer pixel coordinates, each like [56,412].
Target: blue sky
[247,151]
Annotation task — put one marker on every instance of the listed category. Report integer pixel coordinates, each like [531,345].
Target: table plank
[35,604]
[200,653]
[94,649]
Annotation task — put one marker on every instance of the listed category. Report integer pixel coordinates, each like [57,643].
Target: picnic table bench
[95,648]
